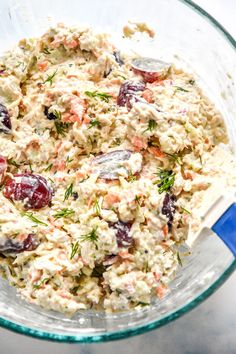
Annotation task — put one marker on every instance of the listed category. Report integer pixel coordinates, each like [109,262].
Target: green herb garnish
[117,141]
[68,192]
[166,180]
[50,78]
[30,167]
[191,82]
[49,167]
[141,303]
[74,290]
[68,160]
[200,158]
[63,213]
[98,271]
[178,88]
[179,260]
[102,95]
[91,236]
[131,178]
[22,65]
[74,249]
[152,124]
[185,210]
[175,157]
[13,163]
[97,207]
[137,199]
[61,127]
[31,216]
[46,51]
[94,123]
[38,285]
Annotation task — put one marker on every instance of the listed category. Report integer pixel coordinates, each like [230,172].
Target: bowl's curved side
[105,337]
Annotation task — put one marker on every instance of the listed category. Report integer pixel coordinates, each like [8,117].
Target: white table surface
[208,329]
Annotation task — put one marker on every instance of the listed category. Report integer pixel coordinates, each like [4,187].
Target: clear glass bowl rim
[105,337]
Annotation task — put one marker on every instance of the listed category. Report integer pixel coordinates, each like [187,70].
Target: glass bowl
[183,30]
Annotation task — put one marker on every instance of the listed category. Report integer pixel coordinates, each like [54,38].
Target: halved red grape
[150,69]
[128,91]
[5,120]
[123,237]
[109,166]
[33,190]
[3,166]
[168,208]
[30,243]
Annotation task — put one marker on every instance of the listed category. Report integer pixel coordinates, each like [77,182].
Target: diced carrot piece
[42,66]
[188,175]
[72,76]
[156,151]
[72,44]
[161,291]
[57,42]
[125,254]
[157,276]
[86,120]
[80,175]
[165,230]
[110,199]
[77,111]
[58,145]
[138,143]
[60,165]
[148,95]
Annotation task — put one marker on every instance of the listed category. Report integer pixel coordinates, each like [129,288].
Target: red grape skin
[5,120]
[3,166]
[30,243]
[123,237]
[128,92]
[33,190]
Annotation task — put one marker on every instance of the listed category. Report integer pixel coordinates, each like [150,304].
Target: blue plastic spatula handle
[225,228]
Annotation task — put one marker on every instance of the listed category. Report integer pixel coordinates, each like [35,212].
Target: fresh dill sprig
[68,159]
[138,199]
[50,78]
[63,213]
[178,88]
[185,210]
[179,260]
[46,51]
[74,249]
[166,180]
[97,207]
[102,95]
[61,127]
[74,290]
[94,123]
[175,157]
[49,167]
[68,192]
[13,163]
[38,285]
[91,236]
[152,124]
[31,216]
[30,167]
[131,178]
